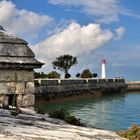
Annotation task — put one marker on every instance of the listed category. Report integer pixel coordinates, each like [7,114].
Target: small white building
[17,62]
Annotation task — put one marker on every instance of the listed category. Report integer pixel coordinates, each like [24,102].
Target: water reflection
[112,112]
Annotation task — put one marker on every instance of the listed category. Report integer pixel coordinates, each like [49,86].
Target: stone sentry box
[17,62]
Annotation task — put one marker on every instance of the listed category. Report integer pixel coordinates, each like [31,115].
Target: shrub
[36,83]
[39,110]
[59,114]
[64,115]
[74,121]
[86,74]
[40,75]
[67,75]
[94,75]
[53,74]
[78,75]
[133,133]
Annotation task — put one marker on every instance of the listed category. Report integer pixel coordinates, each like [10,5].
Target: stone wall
[51,89]
[133,86]
[18,84]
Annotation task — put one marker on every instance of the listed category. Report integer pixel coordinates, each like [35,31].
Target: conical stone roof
[15,53]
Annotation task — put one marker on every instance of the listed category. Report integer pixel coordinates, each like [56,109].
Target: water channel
[109,112]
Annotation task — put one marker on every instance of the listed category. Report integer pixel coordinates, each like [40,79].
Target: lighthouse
[103,69]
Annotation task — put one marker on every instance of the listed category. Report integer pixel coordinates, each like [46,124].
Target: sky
[91,30]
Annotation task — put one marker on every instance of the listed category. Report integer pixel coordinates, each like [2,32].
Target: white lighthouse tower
[103,69]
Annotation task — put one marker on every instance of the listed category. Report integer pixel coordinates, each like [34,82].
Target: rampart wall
[57,88]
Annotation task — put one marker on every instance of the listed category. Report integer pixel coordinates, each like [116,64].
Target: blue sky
[89,29]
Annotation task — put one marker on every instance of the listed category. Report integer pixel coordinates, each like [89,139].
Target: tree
[86,74]
[53,74]
[64,63]
[78,75]
[40,75]
[94,75]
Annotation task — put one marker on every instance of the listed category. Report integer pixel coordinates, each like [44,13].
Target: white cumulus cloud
[75,39]
[105,11]
[17,21]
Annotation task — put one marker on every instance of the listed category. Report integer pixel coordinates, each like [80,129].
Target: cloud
[75,39]
[119,33]
[104,11]
[17,21]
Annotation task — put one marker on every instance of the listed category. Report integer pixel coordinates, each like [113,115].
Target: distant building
[17,62]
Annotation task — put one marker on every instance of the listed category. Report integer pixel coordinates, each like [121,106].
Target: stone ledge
[31,126]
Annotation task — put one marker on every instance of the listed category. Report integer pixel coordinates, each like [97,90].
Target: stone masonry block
[29,88]
[28,100]
[19,75]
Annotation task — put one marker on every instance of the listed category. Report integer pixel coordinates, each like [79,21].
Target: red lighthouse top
[103,61]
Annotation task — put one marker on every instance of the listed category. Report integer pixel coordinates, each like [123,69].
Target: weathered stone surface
[74,86]
[16,75]
[24,100]
[5,88]
[17,62]
[1,98]
[28,100]
[39,127]
[20,100]
[29,88]
[12,46]
[5,100]
[17,88]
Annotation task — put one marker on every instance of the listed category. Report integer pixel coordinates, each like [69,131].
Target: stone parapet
[60,87]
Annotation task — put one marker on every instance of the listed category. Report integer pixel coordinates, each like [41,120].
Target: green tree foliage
[94,75]
[53,74]
[64,63]
[86,74]
[78,75]
[40,75]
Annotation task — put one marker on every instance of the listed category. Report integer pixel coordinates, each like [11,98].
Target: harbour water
[110,112]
